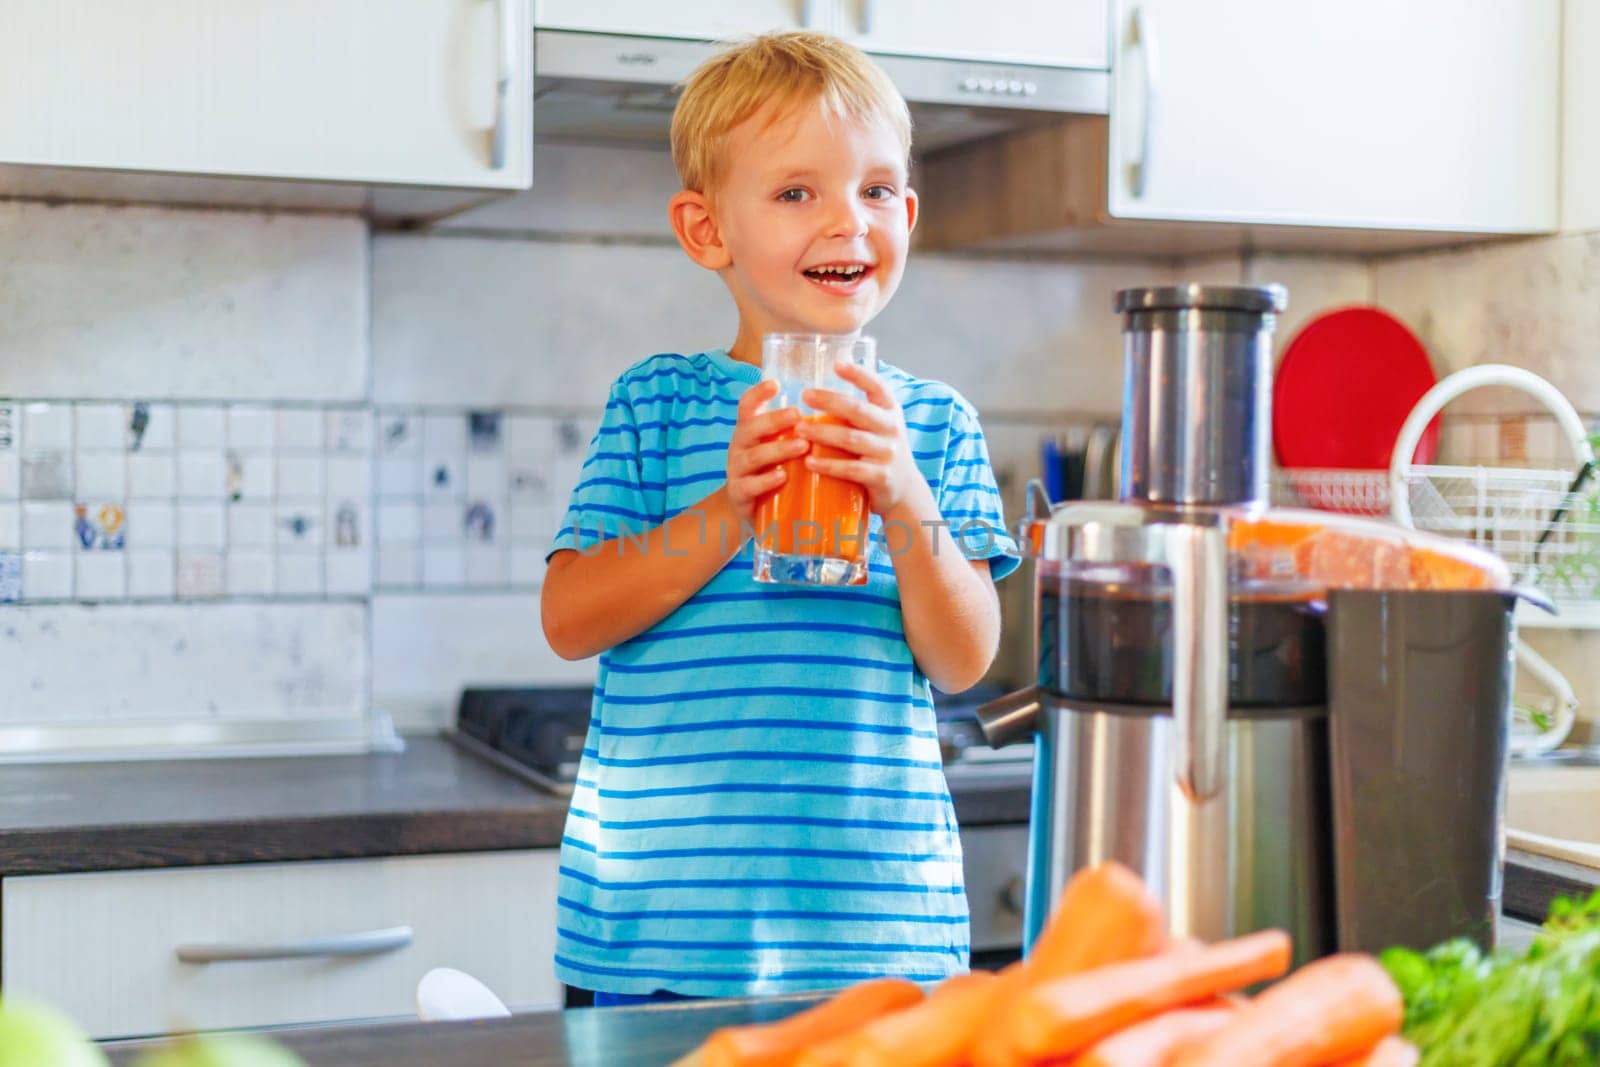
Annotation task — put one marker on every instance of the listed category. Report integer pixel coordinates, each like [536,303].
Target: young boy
[760,805]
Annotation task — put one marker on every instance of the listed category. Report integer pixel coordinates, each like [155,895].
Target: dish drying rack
[1547,534]
[1545,524]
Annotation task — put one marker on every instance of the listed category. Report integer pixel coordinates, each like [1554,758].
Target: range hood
[613,89]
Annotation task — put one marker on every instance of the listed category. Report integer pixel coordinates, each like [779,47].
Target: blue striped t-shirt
[760,805]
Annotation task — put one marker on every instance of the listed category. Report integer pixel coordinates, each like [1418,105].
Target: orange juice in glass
[812,529]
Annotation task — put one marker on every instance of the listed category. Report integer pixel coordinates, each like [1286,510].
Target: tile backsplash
[470,499]
[110,501]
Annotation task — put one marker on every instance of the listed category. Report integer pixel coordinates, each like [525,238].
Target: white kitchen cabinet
[1064,33]
[708,20]
[995,862]
[422,93]
[1069,33]
[1416,115]
[1580,116]
[105,947]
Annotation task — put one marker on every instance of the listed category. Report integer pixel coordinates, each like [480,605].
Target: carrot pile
[1102,987]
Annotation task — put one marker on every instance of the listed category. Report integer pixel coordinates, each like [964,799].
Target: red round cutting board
[1343,389]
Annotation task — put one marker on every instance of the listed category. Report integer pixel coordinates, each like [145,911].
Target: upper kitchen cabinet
[1065,33]
[1068,33]
[1363,125]
[691,19]
[1580,116]
[425,94]
[1427,114]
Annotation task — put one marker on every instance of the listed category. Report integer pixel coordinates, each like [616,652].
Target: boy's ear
[912,204]
[697,231]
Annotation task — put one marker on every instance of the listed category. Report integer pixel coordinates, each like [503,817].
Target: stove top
[538,733]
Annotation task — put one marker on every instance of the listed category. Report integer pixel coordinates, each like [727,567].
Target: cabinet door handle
[362,943]
[1141,34]
[868,17]
[506,63]
[808,14]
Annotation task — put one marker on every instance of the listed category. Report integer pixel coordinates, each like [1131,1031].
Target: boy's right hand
[753,459]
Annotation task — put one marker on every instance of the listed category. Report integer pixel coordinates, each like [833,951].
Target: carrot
[993,1049]
[939,1032]
[779,1044]
[1325,1012]
[1105,915]
[1154,1042]
[1390,1052]
[1065,1015]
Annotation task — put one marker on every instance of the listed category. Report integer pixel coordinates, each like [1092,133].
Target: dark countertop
[57,817]
[433,797]
[1532,882]
[588,1037]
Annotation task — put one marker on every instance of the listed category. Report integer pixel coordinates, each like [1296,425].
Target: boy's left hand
[874,436]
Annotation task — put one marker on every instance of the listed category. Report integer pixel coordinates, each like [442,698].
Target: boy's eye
[794,196]
[879,192]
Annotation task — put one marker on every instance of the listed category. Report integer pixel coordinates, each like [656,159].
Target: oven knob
[1011,896]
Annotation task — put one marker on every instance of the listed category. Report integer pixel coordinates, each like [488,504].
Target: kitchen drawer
[103,947]
[996,864]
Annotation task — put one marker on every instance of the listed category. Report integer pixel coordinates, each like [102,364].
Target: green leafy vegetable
[1540,1009]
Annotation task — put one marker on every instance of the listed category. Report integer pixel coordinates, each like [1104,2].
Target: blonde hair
[780,70]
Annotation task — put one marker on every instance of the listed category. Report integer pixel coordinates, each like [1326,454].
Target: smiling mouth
[838,275]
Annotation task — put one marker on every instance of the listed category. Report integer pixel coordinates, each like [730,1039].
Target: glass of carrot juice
[812,529]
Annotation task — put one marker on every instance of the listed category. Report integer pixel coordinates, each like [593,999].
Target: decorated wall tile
[485,523]
[230,487]
[100,526]
[10,576]
[200,573]
[152,427]
[252,476]
[349,431]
